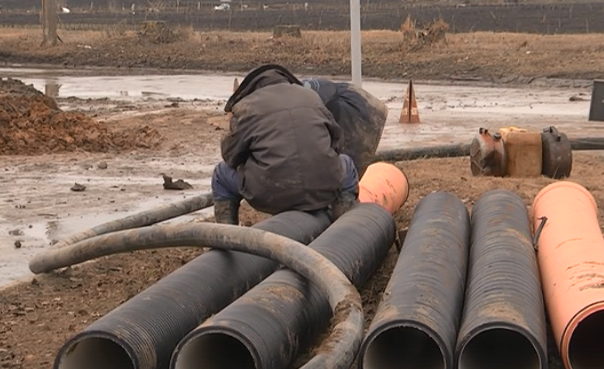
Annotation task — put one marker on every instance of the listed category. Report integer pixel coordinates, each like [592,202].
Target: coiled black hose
[416,323]
[143,332]
[272,323]
[503,324]
[142,219]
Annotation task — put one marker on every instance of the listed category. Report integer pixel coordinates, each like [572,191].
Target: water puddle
[39,234]
[431,98]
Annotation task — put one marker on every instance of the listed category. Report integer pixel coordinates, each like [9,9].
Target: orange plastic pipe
[385,185]
[571,259]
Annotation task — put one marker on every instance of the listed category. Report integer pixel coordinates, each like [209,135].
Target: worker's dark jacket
[361,116]
[284,143]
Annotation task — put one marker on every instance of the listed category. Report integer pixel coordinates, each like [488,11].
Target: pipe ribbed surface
[143,332]
[571,260]
[142,219]
[385,185]
[416,323]
[503,323]
[269,326]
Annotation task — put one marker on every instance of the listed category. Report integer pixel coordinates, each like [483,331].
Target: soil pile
[31,123]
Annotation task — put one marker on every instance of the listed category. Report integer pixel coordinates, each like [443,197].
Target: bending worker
[360,115]
[283,151]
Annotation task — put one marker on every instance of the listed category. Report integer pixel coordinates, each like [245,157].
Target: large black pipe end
[216,348]
[585,344]
[96,350]
[501,347]
[403,344]
[503,323]
[415,325]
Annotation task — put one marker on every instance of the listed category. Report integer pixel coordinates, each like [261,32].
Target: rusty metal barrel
[503,323]
[416,323]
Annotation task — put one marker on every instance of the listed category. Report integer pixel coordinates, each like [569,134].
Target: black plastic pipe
[271,324]
[416,323]
[587,143]
[461,149]
[426,152]
[503,324]
[142,219]
[143,332]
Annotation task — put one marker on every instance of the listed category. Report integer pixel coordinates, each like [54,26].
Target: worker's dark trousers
[225,184]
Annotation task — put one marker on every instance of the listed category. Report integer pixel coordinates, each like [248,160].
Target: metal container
[557,154]
[524,152]
[487,154]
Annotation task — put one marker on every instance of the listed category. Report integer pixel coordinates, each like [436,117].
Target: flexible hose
[343,297]
[144,218]
[203,201]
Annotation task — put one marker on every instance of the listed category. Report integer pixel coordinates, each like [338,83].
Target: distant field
[104,4]
[559,18]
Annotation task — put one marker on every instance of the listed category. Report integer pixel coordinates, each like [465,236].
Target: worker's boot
[226,212]
[344,202]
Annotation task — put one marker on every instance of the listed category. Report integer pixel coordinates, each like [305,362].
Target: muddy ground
[502,58]
[38,315]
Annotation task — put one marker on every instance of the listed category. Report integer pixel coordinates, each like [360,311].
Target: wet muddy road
[37,205]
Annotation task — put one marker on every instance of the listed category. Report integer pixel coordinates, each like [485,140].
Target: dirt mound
[31,123]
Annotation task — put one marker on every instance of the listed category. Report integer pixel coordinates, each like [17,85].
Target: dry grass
[483,54]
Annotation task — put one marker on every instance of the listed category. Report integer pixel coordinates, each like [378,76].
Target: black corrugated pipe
[343,297]
[143,332]
[416,323]
[144,218]
[503,324]
[271,324]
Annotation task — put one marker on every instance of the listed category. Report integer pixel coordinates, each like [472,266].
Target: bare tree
[49,22]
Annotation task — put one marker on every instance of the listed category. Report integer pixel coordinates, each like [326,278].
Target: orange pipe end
[385,185]
[571,261]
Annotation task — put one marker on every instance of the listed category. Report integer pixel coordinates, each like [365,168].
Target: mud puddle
[34,236]
[487,100]
[38,206]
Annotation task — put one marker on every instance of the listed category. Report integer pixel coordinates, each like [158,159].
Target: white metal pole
[355,41]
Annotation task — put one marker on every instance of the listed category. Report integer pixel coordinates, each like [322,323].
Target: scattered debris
[18,244]
[578,98]
[78,187]
[175,185]
[102,165]
[16,232]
